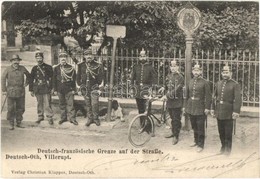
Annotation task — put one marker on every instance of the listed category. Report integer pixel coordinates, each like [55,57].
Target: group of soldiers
[61,80]
[196,101]
[44,81]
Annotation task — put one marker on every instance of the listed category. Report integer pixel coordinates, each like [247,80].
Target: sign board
[115,31]
[189,19]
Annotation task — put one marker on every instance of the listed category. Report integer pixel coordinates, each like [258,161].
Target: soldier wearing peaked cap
[226,108]
[41,86]
[174,87]
[13,86]
[198,106]
[142,79]
[64,85]
[90,79]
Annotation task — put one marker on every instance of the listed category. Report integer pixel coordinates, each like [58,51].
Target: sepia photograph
[130,89]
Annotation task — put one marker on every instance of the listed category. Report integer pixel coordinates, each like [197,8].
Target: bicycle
[142,127]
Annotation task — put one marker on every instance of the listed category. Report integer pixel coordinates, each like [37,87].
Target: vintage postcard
[118,89]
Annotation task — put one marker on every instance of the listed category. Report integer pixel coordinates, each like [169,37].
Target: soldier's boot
[74,122]
[169,136]
[193,145]
[39,121]
[199,149]
[227,151]
[11,125]
[97,122]
[222,150]
[62,121]
[19,125]
[90,121]
[51,121]
[175,140]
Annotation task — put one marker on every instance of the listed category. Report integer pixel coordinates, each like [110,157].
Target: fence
[244,64]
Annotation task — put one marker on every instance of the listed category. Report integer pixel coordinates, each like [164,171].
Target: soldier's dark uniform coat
[41,76]
[62,85]
[90,79]
[174,86]
[144,77]
[198,99]
[227,99]
[198,96]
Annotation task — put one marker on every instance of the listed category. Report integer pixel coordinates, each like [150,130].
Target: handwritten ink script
[217,165]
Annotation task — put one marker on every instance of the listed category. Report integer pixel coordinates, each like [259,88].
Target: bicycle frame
[139,134]
[150,114]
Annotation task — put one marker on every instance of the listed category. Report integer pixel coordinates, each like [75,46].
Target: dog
[116,112]
[80,108]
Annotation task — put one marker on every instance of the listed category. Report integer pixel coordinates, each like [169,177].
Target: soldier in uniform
[174,86]
[226,108]
[142,79]
[13,85]
[90,79]
[41,86]
[198,106]
[64,85]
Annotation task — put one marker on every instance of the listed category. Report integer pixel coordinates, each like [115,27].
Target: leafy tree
[234,26]
[149,24]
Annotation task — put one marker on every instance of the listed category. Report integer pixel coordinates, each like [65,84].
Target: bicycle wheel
[137,138]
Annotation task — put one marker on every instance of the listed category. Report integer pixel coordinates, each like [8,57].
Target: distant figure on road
[142,79]
[64,85]
[226,108]
[90,79]
[41,86]
[174,87]
[197,106]
[13,85]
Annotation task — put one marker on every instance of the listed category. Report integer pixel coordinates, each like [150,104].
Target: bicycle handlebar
[153,98]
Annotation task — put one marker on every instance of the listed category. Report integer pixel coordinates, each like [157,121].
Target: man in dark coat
[198,106]
[226,108]
[41,86]
[13,85]
[90,79]
[174,86]
[142,79]
[64,85]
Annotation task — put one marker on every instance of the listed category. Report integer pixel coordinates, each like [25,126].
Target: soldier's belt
[193,98]
[66,81]
[40,82]
[143,84]
[222,102]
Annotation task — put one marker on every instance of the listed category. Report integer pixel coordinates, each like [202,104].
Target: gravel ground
[174,161]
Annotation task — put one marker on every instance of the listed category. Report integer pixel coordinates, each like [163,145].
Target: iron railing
[244,65]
